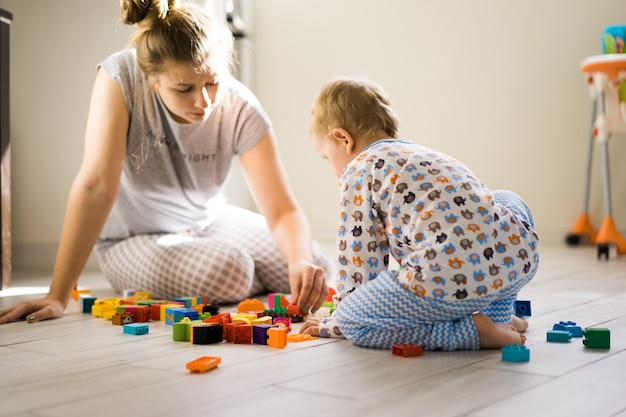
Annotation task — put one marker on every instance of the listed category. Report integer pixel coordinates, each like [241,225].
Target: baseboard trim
[41,256]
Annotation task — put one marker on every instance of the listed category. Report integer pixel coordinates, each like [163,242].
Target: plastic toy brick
[282,321]
[277,300]
[331,292]
[141,314]
[170,314]
[277,337]
[242,333]
[263,320]
[222,319]
[299,337]
[294,310]
[77,291]
[86,302]
[122,318]
[407,350]
[243,318]
[163,308]
[249,305]
[259,333]
[136,328]
[100,307]
[180,330]
[230,334]
[515,353]
[205,333]
[213,310]
[203,364]
[522,308]
[187,312]
[570,326]
[597,338]
[562,336]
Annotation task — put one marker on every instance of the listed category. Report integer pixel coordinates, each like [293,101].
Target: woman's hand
[308,285]
[311,326]
[32,311]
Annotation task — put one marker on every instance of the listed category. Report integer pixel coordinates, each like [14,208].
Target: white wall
[496,84]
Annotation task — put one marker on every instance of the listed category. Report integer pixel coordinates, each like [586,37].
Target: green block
[597,338]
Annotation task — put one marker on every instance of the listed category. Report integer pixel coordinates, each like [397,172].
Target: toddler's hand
[311,326]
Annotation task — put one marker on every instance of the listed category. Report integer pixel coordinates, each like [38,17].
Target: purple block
[259,333]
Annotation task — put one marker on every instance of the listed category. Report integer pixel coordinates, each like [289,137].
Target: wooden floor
[84,366]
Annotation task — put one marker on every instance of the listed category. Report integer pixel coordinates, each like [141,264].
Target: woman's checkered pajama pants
[233,259]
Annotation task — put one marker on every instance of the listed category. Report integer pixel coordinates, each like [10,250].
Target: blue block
[181,313]
[569,326]
[136,328]
[170,314]
[522,308]
[559,336]
[86,302]
[515,353]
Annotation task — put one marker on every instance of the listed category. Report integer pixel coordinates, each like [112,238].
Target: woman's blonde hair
[183,33]
[357,105]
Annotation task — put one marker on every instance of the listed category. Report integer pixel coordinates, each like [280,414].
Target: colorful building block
[406,350]
[263,320]
[163,308]
[136,328]
[277,300]
[259,333]
[562,336]
[77,291]
[122,318]
[211,309]
[206,333]
[250,305]
[282,321]
[300,337]
[242,333]
[191,314]
[515,353]
[277,337]
[522,308]
[203,364]
[86,302]
[569,326]
[597,338]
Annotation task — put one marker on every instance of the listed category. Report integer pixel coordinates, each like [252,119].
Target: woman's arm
[91,198]
[271,192]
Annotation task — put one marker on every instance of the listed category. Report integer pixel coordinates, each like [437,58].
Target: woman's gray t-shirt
[173,171]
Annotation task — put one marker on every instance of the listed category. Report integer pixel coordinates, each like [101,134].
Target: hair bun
[134,11]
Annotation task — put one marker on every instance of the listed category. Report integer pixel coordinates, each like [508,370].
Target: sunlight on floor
[15,291]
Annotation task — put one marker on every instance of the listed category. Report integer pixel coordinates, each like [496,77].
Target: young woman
[166,120]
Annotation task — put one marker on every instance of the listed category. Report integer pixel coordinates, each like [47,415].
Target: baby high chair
[606,78]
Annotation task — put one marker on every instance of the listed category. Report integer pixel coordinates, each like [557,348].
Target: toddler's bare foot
[519,323]
[496,335]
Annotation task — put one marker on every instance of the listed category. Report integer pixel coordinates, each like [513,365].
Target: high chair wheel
[575,239]
[603,250]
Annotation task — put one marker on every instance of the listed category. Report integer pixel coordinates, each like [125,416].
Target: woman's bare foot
[496,335]
[519,323]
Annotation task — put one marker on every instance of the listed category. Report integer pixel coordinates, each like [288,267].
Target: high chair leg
[608,234]
[583,232]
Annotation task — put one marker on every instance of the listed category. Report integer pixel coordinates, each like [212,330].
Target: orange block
[277,337]
[299,337]
[204,364]
[249,305]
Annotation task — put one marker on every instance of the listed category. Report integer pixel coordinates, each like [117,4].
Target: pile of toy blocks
[195,320]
